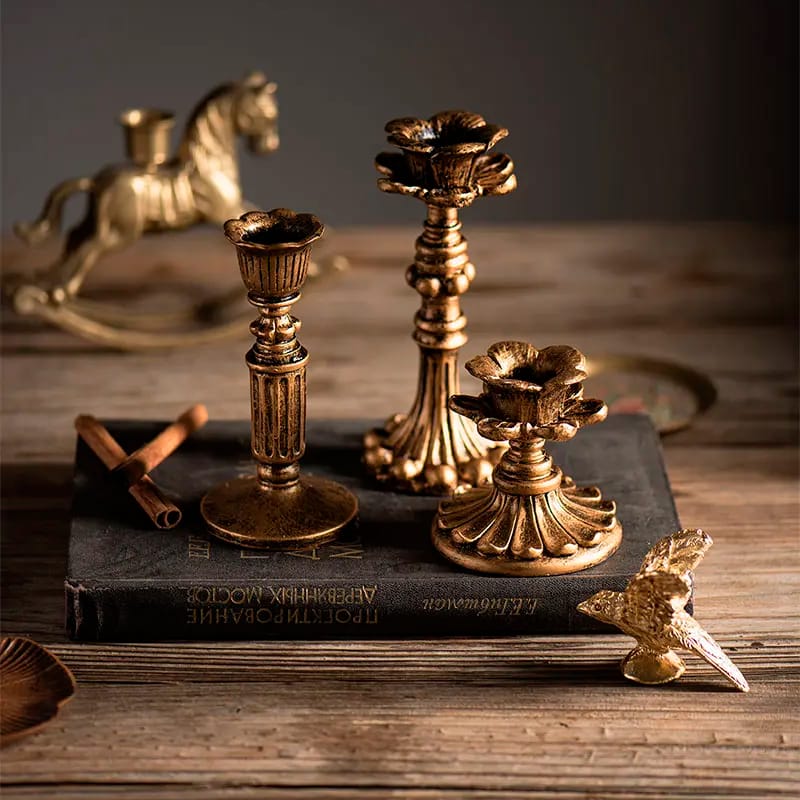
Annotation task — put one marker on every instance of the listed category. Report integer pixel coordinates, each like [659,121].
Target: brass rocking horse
[151,193]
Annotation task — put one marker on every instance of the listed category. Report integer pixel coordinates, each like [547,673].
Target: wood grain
[485,718]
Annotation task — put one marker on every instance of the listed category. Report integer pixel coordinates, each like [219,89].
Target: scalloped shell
[34,684]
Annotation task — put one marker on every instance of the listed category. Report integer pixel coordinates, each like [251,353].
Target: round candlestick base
[645,666]
[562,531]
[305,515]
[546,565]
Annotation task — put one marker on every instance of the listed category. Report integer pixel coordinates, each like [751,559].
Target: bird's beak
[584,608]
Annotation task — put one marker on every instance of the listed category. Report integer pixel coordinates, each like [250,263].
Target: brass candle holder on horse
[445,163]
[153,192]
[278,507]
[533,520]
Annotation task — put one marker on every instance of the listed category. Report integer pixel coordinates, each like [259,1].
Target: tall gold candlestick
[445,163]
[278,507]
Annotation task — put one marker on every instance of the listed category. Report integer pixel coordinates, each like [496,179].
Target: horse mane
[208,133]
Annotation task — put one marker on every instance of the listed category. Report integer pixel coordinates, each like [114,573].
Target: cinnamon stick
[162,512]
[149,456]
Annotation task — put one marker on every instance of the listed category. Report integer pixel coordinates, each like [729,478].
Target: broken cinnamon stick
[149,456]
[162,512]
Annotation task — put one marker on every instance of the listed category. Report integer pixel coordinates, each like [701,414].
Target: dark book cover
[128,581]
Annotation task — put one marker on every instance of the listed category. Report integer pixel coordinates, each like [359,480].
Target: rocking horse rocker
[152,193]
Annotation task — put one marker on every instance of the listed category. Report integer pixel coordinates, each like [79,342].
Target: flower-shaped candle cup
[274,250]
[445,162]
[534,520]
[530,392]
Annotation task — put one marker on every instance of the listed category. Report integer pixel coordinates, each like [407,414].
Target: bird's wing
[653,598]
[678,553]
[693,637]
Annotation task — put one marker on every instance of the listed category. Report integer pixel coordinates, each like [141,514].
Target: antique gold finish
[445,163]
[276,508]
[153,192]
[34,684]
[652,611]
[533,520]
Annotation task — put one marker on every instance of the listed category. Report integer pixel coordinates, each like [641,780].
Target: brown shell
[33,686]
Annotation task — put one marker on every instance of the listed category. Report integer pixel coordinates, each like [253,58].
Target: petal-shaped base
[443,198]
[645,666]
[562,531]
[492,175]
[432,449]
[429,454]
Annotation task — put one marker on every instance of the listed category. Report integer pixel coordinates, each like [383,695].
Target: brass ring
[697,384]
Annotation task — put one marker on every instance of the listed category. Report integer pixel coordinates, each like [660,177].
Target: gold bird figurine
[652,611]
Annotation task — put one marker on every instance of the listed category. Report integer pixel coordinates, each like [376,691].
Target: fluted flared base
[424,458]
[431,450]
[553,533]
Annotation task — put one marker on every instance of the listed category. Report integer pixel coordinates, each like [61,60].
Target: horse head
[256,113]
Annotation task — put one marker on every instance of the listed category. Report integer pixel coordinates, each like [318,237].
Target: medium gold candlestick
[533,520]
[445,163]
[277,508]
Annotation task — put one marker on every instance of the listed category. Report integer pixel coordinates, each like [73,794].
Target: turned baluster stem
[277,363]
[441,273]
[526,469]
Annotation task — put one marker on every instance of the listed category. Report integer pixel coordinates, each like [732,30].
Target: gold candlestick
[534,520]
[277,508]
[445,163]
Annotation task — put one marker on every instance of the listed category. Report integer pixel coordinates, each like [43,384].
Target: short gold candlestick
[534,520]
[276,508]
[445,163]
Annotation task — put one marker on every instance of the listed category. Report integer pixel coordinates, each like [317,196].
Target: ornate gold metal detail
[534,520]
[277,508]
[34,684]
[652,611]
[445,163]
[152,193]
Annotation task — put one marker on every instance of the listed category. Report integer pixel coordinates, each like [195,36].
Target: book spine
[480,606]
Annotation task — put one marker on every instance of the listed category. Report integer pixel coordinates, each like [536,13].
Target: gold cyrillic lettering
[369,593]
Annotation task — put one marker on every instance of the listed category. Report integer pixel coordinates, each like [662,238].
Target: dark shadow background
[622,109]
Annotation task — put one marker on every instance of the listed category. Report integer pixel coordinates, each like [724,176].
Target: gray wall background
[618,109]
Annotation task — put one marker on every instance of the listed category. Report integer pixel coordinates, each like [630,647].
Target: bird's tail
[701,642]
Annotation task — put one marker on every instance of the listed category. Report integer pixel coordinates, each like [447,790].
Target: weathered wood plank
[520,735]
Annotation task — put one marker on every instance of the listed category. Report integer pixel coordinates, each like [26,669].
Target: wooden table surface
[531,716]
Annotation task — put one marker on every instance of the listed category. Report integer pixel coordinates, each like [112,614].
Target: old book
[128,581]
